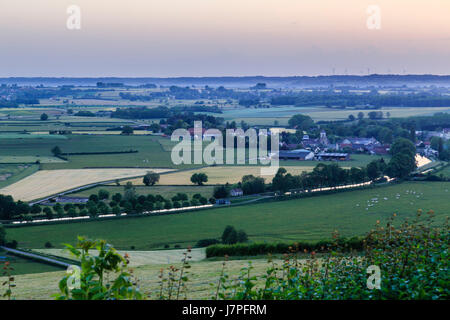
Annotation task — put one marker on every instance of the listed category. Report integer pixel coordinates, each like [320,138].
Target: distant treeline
[188,93]
[172,115]
[368,99]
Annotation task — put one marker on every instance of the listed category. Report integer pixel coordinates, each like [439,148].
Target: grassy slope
[201,275]
[303,219]
[18,173]
[26,266]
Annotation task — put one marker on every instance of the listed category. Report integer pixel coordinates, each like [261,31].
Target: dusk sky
[168,38]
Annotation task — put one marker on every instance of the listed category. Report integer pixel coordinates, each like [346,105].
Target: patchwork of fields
[282,114]
[315,218]
[45,183]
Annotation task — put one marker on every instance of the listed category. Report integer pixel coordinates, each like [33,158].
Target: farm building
[236,192]
[298,154]
[333,156]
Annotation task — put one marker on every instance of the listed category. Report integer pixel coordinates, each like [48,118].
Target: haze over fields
[223,37]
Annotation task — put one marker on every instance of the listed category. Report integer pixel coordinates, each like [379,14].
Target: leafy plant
[95,271]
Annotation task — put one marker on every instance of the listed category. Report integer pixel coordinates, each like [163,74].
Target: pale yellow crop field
[45,183]
[41,286]
[219,175]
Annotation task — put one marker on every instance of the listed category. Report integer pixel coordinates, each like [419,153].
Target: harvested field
[49,182]
[219,175]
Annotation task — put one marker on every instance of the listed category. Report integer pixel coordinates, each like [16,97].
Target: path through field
[141,258]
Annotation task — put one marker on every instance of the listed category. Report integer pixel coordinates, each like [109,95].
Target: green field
[445,171]
[356,160]
[165,191]
[282,114]
[150,154]
[153,151]
[25,266]
[11,173]
[308,219]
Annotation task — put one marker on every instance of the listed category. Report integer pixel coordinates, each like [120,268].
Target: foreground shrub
[93,283]
[412,260]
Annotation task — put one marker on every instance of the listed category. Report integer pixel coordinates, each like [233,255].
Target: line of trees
[400,166]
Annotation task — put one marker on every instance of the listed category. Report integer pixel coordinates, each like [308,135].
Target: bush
[12,244]
[206,242]
[229,235]
[48,245]
[2,235]
[263,248]
[176,204]
[186,204]
[412,263]
[221,192]
[94,270]
[103,194]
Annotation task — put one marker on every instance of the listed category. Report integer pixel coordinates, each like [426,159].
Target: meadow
[282,114]
[150,152]
[201,274]
[11,173]
[352,213]
[25,266]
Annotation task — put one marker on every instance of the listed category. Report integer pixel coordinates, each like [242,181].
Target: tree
[360,115]
[56,151]
[221,192]
[154,127]
[301,122]
[229,235]
[282,180]
[48,213]
[130,191]
[44,117]
[199,178]
[127,130]
[242,236]
[403,160]
[151,178]
[2,235]
[373,170]
[103,194]
[117,197]
[252,185]
[94,198]
[35,209]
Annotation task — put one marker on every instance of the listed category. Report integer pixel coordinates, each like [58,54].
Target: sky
[172,38]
